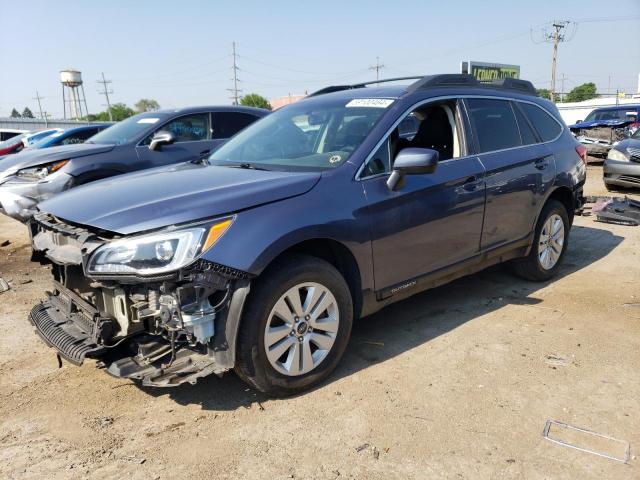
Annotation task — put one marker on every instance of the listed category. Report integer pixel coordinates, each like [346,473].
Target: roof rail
[442,80]
[522,86]
[337,88]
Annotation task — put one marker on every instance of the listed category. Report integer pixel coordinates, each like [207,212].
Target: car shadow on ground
[403,326]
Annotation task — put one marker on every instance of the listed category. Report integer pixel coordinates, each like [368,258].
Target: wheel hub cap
[551,241]
[301,329]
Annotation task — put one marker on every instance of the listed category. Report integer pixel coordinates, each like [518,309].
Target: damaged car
[260,259]
[143,141]
[604,127]
[621,168]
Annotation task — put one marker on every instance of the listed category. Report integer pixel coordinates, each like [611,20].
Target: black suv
[325,210]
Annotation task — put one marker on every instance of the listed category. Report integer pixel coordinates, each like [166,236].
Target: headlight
[157,253]
[617,155]
[41,171]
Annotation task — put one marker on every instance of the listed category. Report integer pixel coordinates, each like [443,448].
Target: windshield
[126,130]
[314,135]
[41,136]
[45,141]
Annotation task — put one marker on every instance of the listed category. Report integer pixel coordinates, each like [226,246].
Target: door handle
[541,163]
[471,183]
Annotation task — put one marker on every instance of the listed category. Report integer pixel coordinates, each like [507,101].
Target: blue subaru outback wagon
[326,210]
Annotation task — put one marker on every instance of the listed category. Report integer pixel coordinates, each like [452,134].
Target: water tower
[73,94]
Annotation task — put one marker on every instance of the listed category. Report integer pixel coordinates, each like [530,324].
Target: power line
[105,91]
[235,91]
[377,67]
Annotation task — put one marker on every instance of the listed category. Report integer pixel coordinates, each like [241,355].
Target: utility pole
[377,67]
[105,91]
[38,98]
[556,36]
[235,92]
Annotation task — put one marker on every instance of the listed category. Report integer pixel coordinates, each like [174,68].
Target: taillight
[581,150]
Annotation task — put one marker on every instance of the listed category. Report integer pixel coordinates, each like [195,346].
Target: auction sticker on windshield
[370,102]
[148,120]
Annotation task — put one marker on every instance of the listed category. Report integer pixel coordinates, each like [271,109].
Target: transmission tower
[377,67]
[235,91]
[105,91]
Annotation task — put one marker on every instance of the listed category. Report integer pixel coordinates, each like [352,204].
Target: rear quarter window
[548,128]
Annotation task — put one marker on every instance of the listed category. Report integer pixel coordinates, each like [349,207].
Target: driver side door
[430,223]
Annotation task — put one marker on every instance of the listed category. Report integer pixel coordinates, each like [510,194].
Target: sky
[179,53]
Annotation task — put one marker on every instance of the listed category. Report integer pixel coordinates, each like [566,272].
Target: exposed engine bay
[163,330]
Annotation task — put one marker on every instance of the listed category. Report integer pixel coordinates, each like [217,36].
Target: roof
[206,108]
[425,83]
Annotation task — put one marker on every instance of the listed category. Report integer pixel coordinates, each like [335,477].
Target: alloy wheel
[551,241]
[301,329]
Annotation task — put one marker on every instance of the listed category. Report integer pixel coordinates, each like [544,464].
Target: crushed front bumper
[18,198]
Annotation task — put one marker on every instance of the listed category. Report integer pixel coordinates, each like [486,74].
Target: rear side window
[79,137]
[227,124]
[494,123]
[547,127]
[526,132]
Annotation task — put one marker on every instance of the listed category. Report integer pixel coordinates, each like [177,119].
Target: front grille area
[62,334]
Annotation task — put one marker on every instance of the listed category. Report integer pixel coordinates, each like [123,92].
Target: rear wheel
[295,327]
[549,244]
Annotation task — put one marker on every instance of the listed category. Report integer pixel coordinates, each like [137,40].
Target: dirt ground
[456,383]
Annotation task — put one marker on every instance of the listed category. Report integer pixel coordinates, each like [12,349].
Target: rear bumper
[18,199]
[624,174]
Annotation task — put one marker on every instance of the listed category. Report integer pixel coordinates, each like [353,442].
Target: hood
[37,156]
[622,145]
[182,193]
[600,123]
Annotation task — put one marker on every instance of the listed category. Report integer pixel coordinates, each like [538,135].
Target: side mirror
[412,161]
[578,121]
[160,138]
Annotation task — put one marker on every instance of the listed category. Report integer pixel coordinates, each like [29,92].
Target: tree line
[580,93]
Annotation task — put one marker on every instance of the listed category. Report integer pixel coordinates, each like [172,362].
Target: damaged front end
[600,137]
[162,329]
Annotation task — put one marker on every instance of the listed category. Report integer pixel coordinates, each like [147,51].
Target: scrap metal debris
[4,286]
[587,441]
[621,211]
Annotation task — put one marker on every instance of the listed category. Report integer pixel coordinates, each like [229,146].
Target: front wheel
[295,327]
[549,244]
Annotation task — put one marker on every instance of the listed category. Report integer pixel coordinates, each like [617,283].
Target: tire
[294,273]
[531,267]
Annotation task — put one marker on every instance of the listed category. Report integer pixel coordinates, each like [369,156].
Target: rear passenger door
[520,169]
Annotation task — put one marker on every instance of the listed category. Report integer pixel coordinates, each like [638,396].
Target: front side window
[433,126]
[189,128]
[548,128]
[494,123]
[318,134]
[227,124]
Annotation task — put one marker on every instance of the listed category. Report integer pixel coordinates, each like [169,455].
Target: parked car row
[259,255]
[143,141]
